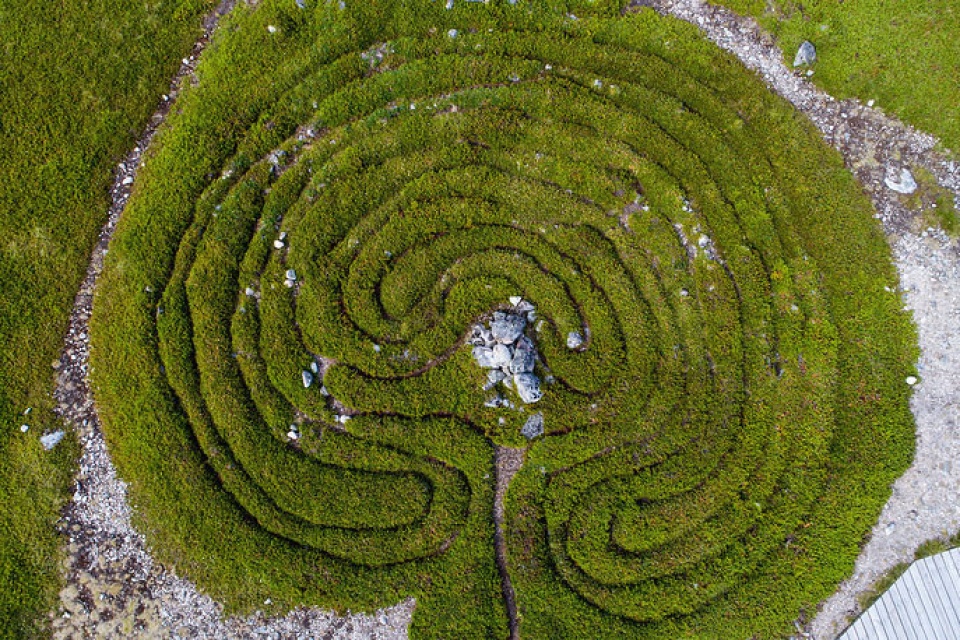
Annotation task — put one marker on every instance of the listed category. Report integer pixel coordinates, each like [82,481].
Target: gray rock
[574,340]
[493,377]
[50,440]
[494,402]
[904,183]
[806,54]
[291,274]
[484,357]
[501,356]
[524,356]
[528,387]
[302,4]
[307,378]
[533,427]
[507,327]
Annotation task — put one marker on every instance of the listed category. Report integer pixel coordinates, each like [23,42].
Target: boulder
[507,327]
[533,427]
[524,356]
[528,387]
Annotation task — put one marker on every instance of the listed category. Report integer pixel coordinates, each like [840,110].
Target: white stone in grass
[904,183]
[50,440]
[293,435]
[911,380]
[271,28]
[806,54]
[289,284]
[307,379]
[314,367]
[24,428]
[533,427]
[528,387]
[249,291]
[515,300]
[452,33]
[278,244]
[574,340]
[291,274]
[301,4]
[449,4]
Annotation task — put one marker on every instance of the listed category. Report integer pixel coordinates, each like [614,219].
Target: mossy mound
[714,452]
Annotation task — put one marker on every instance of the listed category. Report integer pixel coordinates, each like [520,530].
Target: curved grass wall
[712,456]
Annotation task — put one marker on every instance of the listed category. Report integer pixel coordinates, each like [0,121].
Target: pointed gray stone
[806,54]
[533,427]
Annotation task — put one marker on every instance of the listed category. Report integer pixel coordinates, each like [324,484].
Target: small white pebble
[452,33]
[271,28]
[291,274]
[24,428]
[911,380]
[278,244]
[871,102]
[250,292]
[376,348]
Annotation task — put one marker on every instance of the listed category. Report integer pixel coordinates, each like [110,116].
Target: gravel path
[115,589]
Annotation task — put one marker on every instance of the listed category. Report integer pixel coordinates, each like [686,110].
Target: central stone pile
[510,355]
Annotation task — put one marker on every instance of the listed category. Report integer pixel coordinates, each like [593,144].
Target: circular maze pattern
[280,335]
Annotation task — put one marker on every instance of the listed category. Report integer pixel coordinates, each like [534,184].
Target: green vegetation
[733,423]
[905,55]
[934,202]
[79,81]
[871,595]
[929,548]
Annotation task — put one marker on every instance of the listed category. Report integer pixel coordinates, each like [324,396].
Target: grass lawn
[78,81]
[903,54]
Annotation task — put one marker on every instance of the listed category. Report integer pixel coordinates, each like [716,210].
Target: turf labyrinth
[714,452]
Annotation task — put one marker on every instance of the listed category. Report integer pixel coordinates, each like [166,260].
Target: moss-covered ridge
[712,457]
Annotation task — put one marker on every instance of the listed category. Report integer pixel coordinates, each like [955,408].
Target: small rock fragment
[533,427]
[249,291]
[501,356]
[574,340]
[24,428]
[904,184]
[515,300]
[50,440]
[911,380]
[484,357]
[307,378]
[493,377]
[806,54]
[291,274]
[271,28]
[278,244]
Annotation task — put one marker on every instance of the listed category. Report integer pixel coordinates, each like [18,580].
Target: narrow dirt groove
[508,463]
[113,587]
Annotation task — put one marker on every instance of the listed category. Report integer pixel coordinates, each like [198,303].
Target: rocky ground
[115,589]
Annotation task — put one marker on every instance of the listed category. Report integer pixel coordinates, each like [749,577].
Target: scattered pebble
[24,428]
[306,378]
[904,183]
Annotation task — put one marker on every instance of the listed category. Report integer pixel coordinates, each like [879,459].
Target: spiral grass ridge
[346,193]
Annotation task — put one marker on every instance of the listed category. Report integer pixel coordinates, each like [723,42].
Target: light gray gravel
[115,589]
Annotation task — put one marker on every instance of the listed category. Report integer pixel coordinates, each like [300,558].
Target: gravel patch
[115,589]
[925,502]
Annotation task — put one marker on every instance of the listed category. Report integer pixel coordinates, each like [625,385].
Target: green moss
[905,55]
[79,83]
[878,588]
[734,422]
